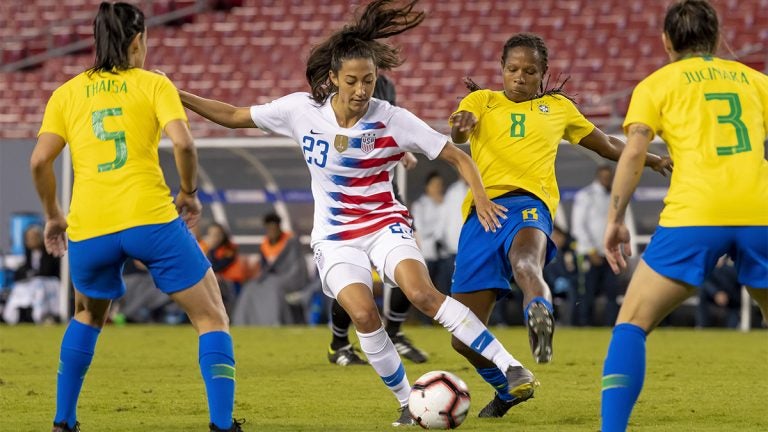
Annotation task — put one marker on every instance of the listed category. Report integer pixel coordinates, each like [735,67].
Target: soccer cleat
[234,428]
[541,327]
[63,427]
[345,356]
[406,349]
[497,407]
[404,418]
[521,384]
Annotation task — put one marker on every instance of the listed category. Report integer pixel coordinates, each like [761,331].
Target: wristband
[194,191]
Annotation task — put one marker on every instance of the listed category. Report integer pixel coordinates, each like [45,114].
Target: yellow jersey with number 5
[112,123]
[713,115]
[514,144]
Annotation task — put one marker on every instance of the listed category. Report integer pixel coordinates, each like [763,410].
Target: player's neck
[345,117]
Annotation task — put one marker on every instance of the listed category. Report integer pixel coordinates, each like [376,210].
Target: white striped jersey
[351,168]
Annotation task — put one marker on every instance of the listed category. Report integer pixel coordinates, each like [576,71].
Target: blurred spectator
[720,292]
[590,210]
[142,302]
[450,224]
[427,222]
[36,282]
[562,275]
[225,261]
[282,272]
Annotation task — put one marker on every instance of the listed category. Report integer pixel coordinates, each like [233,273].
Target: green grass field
[145,378]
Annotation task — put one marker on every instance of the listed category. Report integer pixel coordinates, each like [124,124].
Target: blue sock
[77,349]
[541,300]
[217,364]
[623,375]
[496,378]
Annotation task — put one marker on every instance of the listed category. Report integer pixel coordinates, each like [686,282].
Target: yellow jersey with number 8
[713,115]
[112,123]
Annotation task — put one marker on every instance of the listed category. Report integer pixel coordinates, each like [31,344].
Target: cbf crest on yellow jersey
[112,123]
[713,115]
[514,144]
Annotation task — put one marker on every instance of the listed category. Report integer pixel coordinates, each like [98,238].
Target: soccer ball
[439,400]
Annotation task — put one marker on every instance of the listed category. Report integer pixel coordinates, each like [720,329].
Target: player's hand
[464,121]
[616,246]
[189,208]
[662,165]
[55,236]
[409,161]
[488,213]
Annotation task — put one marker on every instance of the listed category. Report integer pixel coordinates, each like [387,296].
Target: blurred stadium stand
[252,51]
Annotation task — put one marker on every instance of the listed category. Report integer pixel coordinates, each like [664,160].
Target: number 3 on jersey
[309,151]
[733,118]
[121,149]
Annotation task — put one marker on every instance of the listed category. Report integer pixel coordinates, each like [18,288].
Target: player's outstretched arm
[628,172]
[48,148]
[611,148]
[185,154]
[218,112]
[488,212]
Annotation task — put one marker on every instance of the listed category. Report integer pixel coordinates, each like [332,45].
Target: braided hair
[379,20]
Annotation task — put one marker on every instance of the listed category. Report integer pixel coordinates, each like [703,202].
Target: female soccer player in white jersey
[713,115]
[111,116]
[351,144]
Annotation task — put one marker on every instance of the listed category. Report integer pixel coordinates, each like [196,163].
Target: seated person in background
[218,247]
[282,271]
[720,291]
[36,282]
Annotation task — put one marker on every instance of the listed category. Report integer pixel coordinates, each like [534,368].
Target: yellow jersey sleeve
[577,126]
[167,103]
[53,119]
[474,102]
[643,109]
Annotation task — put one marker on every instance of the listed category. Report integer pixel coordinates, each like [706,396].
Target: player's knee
[426,299]
[526,269]
[366,320]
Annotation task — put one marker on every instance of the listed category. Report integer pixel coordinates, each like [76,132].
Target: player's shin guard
[498,380]
[623,375]
[217,364]
[467,328]
[382,355]
[77,348]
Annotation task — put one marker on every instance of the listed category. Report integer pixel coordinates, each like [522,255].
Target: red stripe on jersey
[382,197]
[355,233]
[385,142]
[369,163]
[373,216]
[337,211]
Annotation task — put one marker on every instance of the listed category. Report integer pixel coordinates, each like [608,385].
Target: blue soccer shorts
[689,254]
[482,260]
[169,251]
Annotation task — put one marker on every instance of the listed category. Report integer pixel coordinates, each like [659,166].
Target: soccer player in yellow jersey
[111,116]
[514,135]
[713,115]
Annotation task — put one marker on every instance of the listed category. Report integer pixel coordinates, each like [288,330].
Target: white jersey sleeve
[413,135]
[277,116]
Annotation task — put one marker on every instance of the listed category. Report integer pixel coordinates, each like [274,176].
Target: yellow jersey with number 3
[514,144]
[112,123]
[713,115]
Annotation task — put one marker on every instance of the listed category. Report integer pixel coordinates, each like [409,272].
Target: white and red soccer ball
[439,400]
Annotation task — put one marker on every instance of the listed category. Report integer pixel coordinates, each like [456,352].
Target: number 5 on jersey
[121,149]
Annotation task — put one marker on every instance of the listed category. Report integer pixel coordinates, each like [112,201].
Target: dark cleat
[406,349]
[234,428]
[404,417]
[521,383]
[541,327]
[345,356]
[63,427]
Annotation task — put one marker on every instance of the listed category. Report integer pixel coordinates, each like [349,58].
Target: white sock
[467,328]
[384,358]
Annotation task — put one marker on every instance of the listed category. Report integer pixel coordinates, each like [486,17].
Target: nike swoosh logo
[312,131]
[490,107]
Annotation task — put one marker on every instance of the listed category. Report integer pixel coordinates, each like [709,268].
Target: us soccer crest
[368,142]
[341,143]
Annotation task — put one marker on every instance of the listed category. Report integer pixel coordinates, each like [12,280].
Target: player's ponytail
[379,20]
[692,27]
[115,26]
